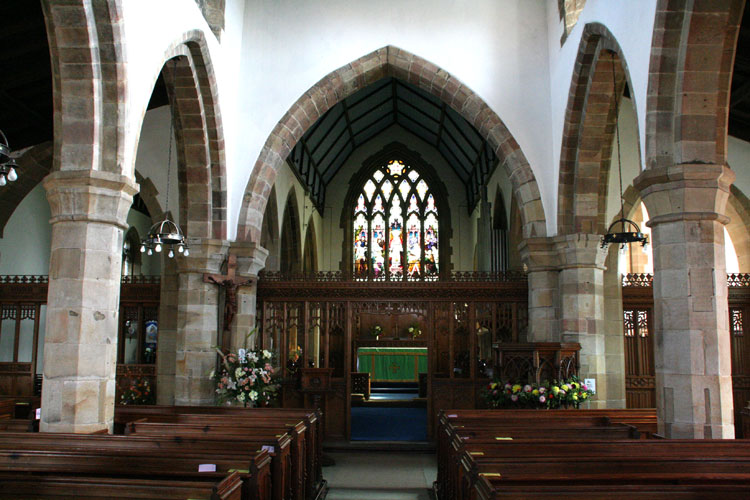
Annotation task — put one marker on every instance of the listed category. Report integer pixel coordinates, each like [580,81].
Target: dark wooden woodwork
[329,317]
[24,298]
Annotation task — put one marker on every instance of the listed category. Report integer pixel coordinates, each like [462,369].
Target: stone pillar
[692,347]
[197,323]
[540,258]
[89,212]
[251,258]
[581,284]
[167,345]
[614,336]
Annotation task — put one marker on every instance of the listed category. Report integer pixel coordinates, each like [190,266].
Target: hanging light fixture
[166,235]
[629,230]
[7,164]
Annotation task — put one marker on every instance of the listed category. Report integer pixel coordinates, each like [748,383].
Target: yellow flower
[584,395]
[516,388]
[493,385]
[565,387]
[555,390]
[575,397]
[535,392]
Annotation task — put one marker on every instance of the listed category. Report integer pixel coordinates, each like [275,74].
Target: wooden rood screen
[322,320]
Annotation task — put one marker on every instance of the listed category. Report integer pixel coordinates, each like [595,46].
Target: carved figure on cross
[230,284]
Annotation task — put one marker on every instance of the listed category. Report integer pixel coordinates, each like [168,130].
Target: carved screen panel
[461,329]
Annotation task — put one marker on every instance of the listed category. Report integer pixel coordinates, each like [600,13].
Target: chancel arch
[397,63]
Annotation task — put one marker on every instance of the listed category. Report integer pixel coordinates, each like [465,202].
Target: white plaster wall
[25,245]
[631,164]
[151,160]
[463,237]
[271,52]
[496,47]
[631,23]
[738,159]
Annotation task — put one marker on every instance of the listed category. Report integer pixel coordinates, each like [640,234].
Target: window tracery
[395,226]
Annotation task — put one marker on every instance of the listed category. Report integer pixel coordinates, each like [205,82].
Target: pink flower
[584,387]
[494,393]
[527,388]
[268,367]
[541,390]
[508,386]
[542,399]
[514,397]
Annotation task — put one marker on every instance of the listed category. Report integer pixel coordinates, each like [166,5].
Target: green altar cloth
[392,364]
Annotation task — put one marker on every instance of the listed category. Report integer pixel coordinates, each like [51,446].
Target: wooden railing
[536,362]
[734,280]
[339,276]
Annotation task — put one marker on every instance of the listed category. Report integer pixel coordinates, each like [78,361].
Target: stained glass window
[395,226]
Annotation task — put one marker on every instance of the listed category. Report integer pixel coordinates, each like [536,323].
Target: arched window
[395,226]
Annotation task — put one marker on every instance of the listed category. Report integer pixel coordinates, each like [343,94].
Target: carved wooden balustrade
[536,362]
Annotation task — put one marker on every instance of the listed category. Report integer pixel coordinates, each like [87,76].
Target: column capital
[539,254]
[90,196]
[251,258]
[580,250]
[206,256]
[687,191]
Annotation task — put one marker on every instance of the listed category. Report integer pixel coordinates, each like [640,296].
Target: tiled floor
[380,476]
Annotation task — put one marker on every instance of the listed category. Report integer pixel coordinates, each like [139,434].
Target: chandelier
[166,234]
[629,230]
[7,164]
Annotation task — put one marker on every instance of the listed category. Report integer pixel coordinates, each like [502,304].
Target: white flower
[266,354]
[231,385]
[238,373]
[251,356]
[213,374]
[241,396]
[253,395]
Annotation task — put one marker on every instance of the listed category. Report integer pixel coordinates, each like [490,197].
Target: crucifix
[230,284]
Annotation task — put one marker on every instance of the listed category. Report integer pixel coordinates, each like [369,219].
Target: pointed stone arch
[310,249]
[588,132]
[191,87]
[339,84]
[271,231]
[89,87]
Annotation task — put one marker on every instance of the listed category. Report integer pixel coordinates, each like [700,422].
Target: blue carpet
[389,424]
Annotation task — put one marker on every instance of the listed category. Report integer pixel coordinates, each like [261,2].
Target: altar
[392,364]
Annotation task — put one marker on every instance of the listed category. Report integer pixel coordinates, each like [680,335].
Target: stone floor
[360,475]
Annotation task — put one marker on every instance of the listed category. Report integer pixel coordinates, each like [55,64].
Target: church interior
[474,243]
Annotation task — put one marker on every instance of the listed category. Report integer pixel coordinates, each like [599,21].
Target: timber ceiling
[326,146]
[739,103]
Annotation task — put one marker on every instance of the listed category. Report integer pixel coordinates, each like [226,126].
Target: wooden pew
[7,409]
[243,425]
[283,478]
[114,456]
[502,468]
[71,487]
[313,417]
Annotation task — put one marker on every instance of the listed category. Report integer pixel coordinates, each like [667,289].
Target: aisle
[380,476]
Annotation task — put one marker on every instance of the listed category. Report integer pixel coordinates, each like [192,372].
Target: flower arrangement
[139,392]
[376,331]
[558,394]
[246,377]
[415,331]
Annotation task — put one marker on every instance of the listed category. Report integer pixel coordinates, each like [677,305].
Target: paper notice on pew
[269,449]
[452,415]
[206,467]
[38,413]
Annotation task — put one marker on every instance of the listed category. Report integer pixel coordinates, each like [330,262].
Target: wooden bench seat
[112,456]
[313,417]
[70,487]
